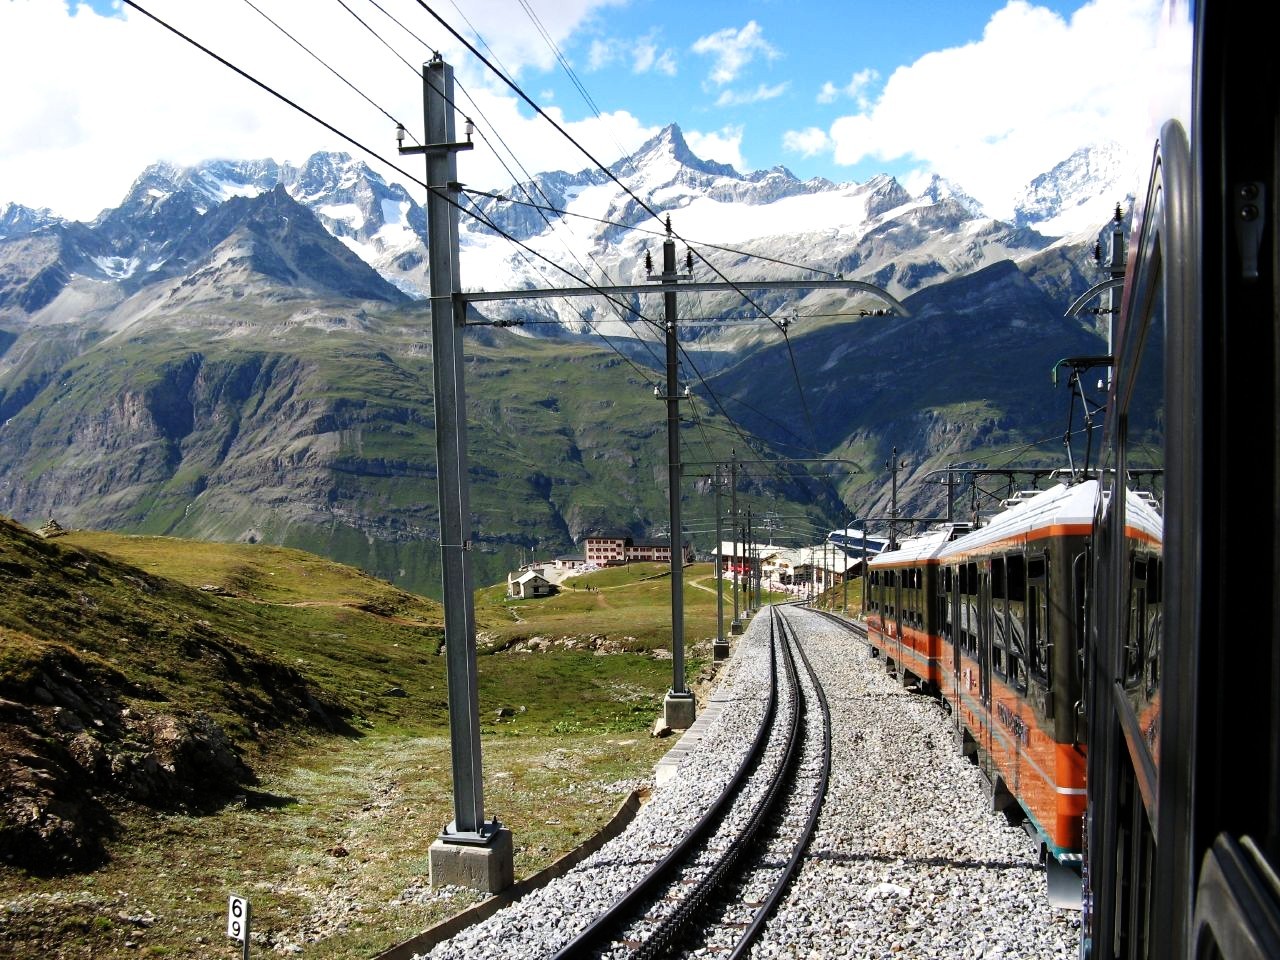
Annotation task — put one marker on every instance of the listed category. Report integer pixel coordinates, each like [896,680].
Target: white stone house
[528,585]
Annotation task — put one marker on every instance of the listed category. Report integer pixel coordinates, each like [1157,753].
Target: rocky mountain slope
[117,685]
[230,354]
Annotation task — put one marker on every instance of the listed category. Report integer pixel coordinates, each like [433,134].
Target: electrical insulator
[648,262]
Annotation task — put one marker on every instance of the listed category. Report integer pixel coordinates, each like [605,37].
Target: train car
[1011,601]
[901,612]
[1182,854]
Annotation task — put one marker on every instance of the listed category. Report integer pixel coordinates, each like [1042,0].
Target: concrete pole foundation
[679,710]
[487,867]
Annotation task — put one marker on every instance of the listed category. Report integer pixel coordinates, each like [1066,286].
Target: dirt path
[701,586]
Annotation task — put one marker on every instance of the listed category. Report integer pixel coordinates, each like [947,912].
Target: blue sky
[988,94]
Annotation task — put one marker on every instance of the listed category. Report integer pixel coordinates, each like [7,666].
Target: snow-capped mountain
[596,225]
[1074,196]
[15,219]
[774,225]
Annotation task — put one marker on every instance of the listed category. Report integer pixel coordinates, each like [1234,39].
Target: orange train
[991,619]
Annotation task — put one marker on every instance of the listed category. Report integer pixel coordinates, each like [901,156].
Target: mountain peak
[1079,193]
[17,220]
[669,144]
[939,189]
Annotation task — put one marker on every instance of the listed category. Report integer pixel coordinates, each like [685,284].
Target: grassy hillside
[311,425]
[301,706]
[626,608]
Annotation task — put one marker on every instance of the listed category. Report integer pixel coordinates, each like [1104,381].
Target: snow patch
[349,213]
[118,268]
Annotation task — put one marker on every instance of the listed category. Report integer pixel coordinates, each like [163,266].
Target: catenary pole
[721,648]
[678,707]
[469,828]
[733,512]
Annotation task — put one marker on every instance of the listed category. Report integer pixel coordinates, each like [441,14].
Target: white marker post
[238,913]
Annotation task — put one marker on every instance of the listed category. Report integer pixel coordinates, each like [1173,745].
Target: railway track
[720,882]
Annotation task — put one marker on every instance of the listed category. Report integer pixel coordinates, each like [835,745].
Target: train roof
[1062,505]
[1064,508]
[914,549]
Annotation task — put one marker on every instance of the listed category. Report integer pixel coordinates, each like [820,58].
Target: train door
[984,652]
[895,641]
[949,655]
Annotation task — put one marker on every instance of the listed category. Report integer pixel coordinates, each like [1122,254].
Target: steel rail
[620,909]
[675,923]
[766,908]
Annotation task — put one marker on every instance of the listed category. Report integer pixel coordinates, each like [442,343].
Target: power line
[656,233]
[494,130]
[318,59]
[376,34]
[271,90]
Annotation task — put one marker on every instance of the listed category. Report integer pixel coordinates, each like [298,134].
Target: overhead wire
[271,90]
[311,53]
[376,34]
[569,71]
[515,88]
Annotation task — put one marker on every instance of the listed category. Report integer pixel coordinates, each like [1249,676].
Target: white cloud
[601,53]
[723,145]
[733,50]
[856,88]
[643,52]
[991,115]
[808,142]
[104,96]
[646,56]
[734,98]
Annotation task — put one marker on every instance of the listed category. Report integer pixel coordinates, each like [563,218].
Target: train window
[1154,625]
[1015,576]
[1135,642]
[969,624]
[999,614]
[1038,645]
[971,629]
[942,600]
[1017,654]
